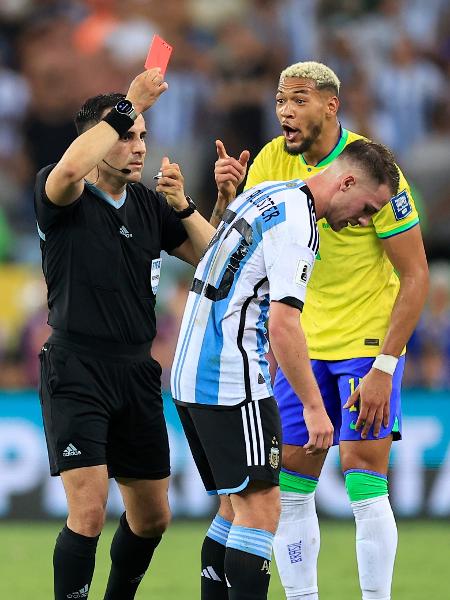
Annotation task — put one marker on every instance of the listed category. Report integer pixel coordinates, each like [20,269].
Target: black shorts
[234,445]
[102,405]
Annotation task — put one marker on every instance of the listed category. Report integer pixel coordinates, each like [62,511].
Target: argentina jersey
[263,250]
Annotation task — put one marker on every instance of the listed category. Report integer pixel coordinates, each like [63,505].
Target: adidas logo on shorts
[71,451]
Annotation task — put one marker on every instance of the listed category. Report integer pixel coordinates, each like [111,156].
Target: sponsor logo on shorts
[353,425]
[274,456]
[71,451]
[295,552]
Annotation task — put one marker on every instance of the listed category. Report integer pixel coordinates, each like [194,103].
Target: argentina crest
[274,456]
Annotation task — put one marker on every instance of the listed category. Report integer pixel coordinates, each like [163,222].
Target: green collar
[334,153]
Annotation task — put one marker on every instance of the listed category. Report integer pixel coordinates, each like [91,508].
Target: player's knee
[88,520]
[151,524]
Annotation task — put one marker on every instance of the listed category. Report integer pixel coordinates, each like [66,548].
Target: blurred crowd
[392,56]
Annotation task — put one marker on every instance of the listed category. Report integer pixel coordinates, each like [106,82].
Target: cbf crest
[274,456]
[155,273]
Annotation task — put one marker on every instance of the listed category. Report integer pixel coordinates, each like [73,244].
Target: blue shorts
[336,379]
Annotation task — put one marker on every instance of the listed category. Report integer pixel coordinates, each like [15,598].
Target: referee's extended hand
[229,172]
[320,430]
[146,88]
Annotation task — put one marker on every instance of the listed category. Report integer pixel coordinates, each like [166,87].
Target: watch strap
[188,211]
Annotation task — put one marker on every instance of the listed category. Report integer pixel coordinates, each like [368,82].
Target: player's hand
[171,184]
[373,394]
[146,88]
[320,430]
[229,172]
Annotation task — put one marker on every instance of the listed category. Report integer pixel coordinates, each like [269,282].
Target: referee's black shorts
[101,404]
[234,445]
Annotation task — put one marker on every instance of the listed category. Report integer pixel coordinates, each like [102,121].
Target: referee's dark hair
[92,110]
[376,160]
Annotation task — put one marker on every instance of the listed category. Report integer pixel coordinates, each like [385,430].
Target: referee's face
[303,112]
[128,153]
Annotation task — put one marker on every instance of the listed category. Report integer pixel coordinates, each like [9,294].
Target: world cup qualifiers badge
[274,457]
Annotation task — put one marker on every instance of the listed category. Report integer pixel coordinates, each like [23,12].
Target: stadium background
[393,58]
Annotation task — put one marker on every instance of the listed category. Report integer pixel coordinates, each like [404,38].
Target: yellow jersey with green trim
[353,285]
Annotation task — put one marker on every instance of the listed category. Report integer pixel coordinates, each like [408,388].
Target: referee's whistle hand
[171,184]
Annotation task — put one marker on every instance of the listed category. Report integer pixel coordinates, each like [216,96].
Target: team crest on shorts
[274,456]
[155,273]
[401,205]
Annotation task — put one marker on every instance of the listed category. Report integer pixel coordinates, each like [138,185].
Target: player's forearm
[221,204]
[406,312]
[86,151]
[289,347]
[199,231]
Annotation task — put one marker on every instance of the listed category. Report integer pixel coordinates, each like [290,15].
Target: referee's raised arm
[65,182]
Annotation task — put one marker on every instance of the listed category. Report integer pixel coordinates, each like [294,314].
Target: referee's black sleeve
[47,213]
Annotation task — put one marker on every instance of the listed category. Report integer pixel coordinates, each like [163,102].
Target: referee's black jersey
[98,258]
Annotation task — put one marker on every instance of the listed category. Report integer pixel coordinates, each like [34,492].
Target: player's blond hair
[322,75]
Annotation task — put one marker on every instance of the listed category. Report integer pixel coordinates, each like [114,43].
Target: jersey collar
[343,136]
[106,197]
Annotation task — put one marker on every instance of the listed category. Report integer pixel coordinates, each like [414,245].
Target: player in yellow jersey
[364,298]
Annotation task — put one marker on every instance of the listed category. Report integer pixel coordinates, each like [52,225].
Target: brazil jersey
[353,286]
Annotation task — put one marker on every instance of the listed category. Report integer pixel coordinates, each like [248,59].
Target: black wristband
[121,123]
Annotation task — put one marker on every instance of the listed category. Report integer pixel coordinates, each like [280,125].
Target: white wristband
[385,363]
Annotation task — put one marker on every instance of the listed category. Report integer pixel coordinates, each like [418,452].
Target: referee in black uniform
[102,233]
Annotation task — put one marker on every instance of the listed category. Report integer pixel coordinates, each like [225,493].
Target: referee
[102,233]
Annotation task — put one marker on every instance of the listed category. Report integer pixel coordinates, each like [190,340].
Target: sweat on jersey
[263,250]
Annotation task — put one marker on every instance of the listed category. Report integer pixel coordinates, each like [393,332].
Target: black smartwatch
[124,107]
[186,212]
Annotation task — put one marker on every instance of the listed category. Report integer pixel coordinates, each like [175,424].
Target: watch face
[124,107]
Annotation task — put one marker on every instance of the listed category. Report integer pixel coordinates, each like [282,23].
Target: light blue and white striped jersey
[263,250]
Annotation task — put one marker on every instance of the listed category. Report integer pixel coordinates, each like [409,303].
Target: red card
[158,54]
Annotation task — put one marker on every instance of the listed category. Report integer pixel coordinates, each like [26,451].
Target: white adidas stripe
[252,440]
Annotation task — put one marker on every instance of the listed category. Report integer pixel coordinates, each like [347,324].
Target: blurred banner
[419,478]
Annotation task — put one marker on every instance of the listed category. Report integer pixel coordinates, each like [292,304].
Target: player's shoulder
[352,137]
[43,173]
[273,148]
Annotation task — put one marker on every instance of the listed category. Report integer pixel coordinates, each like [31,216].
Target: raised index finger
[221,152]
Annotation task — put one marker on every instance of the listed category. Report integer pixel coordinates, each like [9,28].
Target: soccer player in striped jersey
[260,259]
[364,298]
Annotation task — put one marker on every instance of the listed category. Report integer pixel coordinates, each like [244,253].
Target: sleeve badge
[401,205]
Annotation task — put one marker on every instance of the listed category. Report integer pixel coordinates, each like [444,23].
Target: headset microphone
[124,171]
